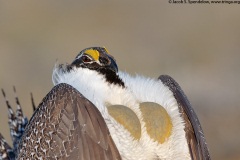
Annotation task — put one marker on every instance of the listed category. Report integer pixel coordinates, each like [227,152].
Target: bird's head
[97,59]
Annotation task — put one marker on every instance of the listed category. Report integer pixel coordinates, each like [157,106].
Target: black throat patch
[111,76]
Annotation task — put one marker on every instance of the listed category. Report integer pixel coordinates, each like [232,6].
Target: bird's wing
[194,133]
[67,126]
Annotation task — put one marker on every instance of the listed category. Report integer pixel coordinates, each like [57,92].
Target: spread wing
[67,126]
[194,133]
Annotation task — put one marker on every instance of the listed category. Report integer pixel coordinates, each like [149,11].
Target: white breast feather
[152,90]
[138,89]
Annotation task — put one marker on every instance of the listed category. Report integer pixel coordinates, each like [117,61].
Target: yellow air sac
[157,121]
[127,118]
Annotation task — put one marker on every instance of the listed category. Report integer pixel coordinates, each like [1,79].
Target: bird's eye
[86,59]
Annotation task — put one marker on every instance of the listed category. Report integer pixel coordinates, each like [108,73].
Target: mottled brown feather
[67,126]
[194,134]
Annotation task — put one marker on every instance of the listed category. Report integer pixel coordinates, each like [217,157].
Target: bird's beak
[113,66]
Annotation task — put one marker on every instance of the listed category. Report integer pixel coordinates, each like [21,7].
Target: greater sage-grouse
[95,112]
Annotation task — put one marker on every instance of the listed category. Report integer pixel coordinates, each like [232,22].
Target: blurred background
[197,44]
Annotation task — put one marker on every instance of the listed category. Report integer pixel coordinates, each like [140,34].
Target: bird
[96,112]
